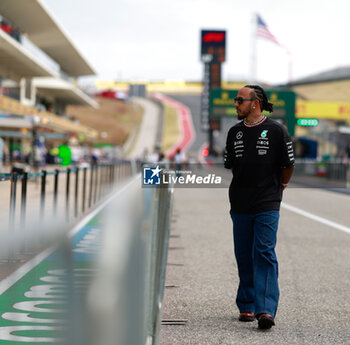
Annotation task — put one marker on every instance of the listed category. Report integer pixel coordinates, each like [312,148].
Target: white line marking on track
[316,218]
[23,270]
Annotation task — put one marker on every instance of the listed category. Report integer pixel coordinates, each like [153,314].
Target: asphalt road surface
[314,257]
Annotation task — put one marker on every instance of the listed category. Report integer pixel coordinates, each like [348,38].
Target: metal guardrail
[159,238]
[78,189]
[126,304]
[333,173]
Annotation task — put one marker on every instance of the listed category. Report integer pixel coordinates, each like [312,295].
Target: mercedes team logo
[239,135]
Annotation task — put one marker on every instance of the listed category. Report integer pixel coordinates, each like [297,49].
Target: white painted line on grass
[316,218]
[24,269]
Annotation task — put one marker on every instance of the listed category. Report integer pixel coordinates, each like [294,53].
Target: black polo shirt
[256,154]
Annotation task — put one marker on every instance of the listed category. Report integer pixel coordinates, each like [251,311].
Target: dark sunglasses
[240,100]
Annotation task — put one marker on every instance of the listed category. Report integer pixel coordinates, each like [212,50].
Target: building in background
[39,67]
[324,97]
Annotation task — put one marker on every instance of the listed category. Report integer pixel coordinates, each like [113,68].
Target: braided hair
[259,93]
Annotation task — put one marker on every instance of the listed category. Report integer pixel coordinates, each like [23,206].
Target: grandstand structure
[39,67]
[330,86]
[326,96]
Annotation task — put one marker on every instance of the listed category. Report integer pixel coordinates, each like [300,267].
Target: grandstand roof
[332,91]
[338,73]
[328,86]
[32,17]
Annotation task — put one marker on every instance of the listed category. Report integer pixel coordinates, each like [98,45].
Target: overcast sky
[160,39]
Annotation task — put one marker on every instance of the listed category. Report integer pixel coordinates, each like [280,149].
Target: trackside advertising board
[222,103]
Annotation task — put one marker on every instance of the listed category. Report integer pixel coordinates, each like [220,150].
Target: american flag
[264,32]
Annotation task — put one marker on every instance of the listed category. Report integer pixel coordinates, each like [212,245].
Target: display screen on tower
[213,42]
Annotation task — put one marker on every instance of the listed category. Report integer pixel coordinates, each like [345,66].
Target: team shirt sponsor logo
[238,145]
[264,133]
[263,144]
[290,151]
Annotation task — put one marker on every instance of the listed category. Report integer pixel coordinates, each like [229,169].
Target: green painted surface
[49,309]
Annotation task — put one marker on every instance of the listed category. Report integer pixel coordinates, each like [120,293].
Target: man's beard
[241,116]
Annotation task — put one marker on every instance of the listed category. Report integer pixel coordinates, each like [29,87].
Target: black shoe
[265,321]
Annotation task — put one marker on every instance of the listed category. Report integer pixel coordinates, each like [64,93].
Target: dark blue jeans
[255,237]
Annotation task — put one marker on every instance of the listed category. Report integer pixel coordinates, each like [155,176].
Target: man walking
[260,154]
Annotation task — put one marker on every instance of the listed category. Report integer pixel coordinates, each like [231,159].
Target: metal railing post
[91,185]
[76,192]
[116,177]
[100,191]
[67,194]
[42,194]
[122,170]
[55,193]
[133,167]
[12,214]
[24,207]
[84,190]
[103,181]
[96,183]
[113,173]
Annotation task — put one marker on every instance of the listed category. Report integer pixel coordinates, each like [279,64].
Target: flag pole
[253,56]
[290,69]
[260,29]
